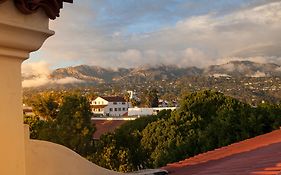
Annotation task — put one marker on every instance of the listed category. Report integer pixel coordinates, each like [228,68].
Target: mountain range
[96,75]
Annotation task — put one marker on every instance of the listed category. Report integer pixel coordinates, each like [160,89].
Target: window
[115,109]
[123,103]
[110,109]
[115,103]
[124,109]
[119,109]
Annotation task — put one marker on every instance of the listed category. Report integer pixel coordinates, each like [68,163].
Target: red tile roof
[98,106]
[27,110]
[260,155]
[114,99]
[105,126]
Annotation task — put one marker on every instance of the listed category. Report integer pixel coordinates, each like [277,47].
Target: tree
[205,120]
[73,124]
[35,125]
[121,150]
[45,106]
[152,98]
[127,97]
[69,125]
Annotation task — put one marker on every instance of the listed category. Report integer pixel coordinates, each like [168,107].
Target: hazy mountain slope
[98,74]
[85,74]
[244,68]
[159,73]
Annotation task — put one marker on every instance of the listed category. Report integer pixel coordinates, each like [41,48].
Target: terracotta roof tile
[260,155]
[105,126]
[99,106]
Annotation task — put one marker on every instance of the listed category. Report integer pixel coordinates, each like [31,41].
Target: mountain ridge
[97,75]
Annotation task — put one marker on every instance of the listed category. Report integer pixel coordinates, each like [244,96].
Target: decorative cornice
[51,7]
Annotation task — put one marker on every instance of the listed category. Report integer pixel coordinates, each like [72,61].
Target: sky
[132,33]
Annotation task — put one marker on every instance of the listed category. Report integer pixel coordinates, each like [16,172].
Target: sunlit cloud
[38,74]
[84,36]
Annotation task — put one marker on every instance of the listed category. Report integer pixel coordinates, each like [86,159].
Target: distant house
[110,106]
[133,95]
[28,111]
[147,111]
[163,103]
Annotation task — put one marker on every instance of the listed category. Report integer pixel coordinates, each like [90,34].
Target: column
[19,35]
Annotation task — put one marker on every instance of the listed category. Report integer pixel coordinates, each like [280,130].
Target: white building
[140,111]
[110,106]
[133,95]
[147,111]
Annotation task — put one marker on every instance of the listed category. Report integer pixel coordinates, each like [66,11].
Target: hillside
[85,74]
[244,69]
[97,75]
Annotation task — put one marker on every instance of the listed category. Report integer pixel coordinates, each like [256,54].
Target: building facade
[110,106]
[147,111]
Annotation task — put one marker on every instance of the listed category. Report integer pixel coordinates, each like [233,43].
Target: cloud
[67,80]
[35,82]
[44,80]
[91,36]
[278,69]
[37,74]
[36,69]
[258,74]
[258,59]
[194,57]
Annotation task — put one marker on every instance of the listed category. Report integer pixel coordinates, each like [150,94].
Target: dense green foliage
[35,125]
[70,126]
[46,106]
[152,98]
[205,120]
[121,150]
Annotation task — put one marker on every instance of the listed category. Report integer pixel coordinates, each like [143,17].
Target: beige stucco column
[19,35]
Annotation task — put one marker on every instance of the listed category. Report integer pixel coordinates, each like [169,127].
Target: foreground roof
[260,155]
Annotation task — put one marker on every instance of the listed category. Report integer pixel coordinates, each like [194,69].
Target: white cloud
[35,82]
[67,80]
[229,67]
[258,74]
[40,68]
[278,69]
[194,57]
[252,34]
[37,74]
[258,59]
[220,75]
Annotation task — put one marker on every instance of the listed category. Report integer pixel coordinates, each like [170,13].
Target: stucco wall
[19,35]
[47,158]
[11,121]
